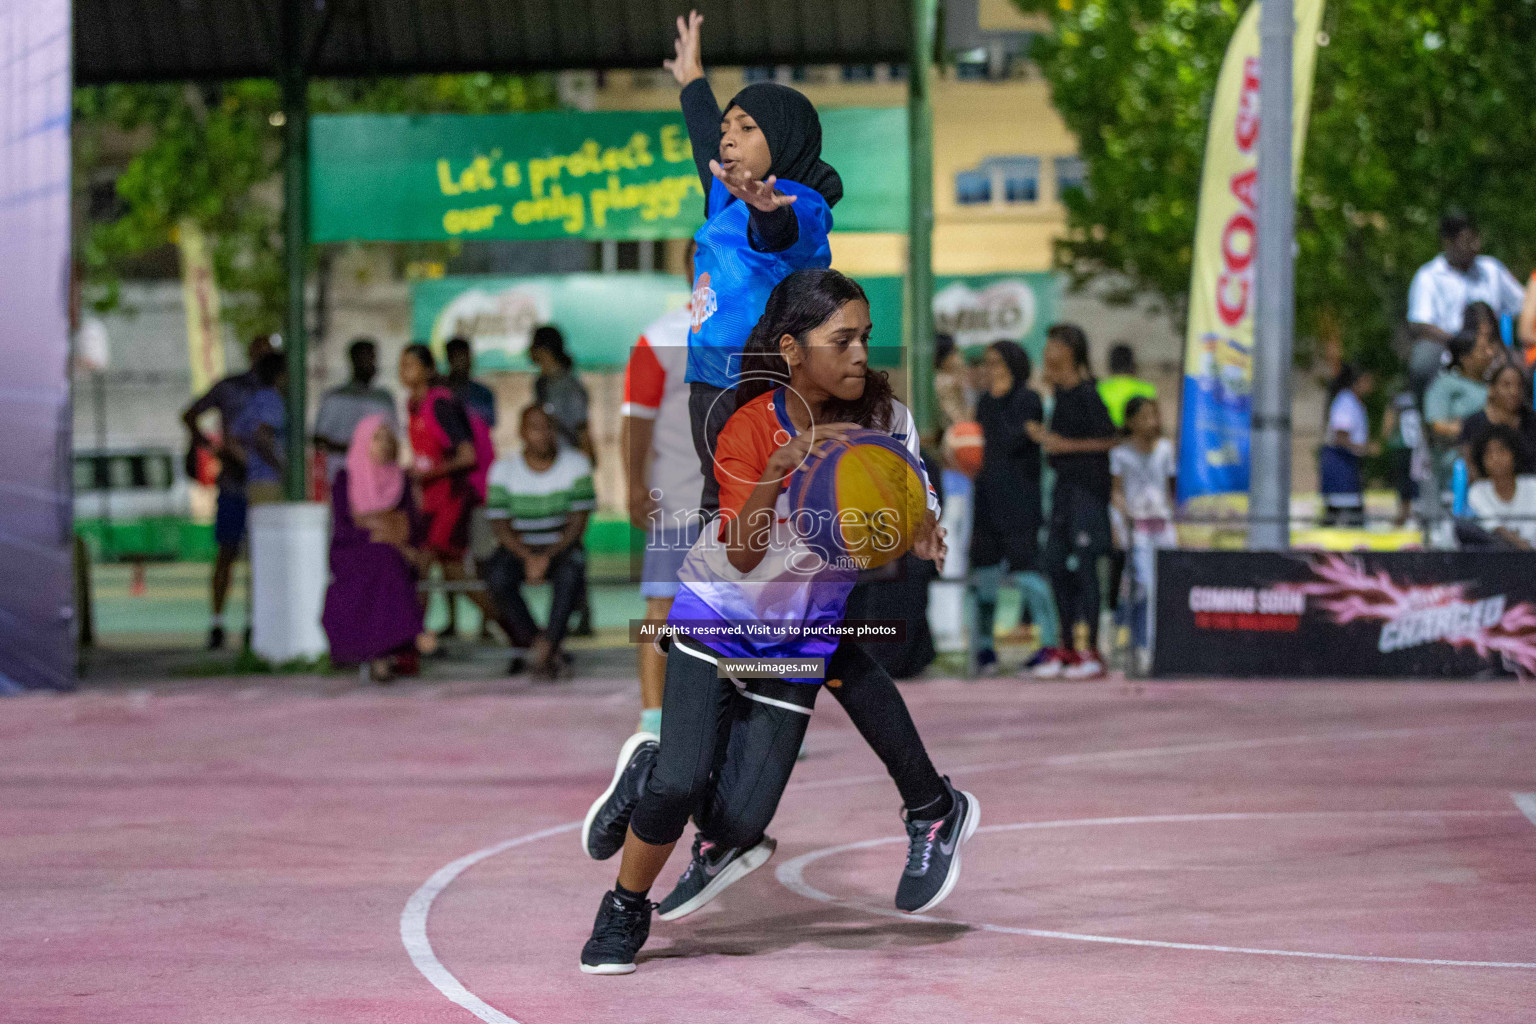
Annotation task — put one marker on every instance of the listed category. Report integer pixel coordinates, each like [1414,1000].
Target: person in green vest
[1122,384]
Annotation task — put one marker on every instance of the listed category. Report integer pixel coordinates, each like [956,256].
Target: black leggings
[1079,534]
[727,751]
[708,409]
[505,574]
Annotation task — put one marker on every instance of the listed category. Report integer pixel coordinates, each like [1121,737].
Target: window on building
[1071,173]
[157,472]
[974,188]
[85,473]
[120,472]
[858,72]
[1000,180]
[757,74]
[1021,178]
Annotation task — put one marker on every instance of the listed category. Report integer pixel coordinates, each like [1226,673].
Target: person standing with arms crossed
[1077,441]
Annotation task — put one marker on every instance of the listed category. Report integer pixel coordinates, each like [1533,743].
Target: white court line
[1214,746]
[413,925]
[791,875]
[1527,804]
[413,919]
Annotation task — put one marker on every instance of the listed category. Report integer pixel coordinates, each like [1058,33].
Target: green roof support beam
[294,79]
[925,16]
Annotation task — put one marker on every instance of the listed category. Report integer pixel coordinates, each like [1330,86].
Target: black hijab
[1017,360]
[793,131]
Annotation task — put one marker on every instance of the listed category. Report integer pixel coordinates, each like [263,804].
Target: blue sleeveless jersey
[732,280]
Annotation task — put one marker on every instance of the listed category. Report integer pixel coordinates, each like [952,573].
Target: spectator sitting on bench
[538,503]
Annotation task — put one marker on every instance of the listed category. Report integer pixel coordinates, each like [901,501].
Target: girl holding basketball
[728,745]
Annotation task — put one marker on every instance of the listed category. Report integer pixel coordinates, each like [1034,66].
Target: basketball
[860,503]
[963,442]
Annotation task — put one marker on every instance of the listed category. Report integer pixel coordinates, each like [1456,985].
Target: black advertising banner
[1455,614]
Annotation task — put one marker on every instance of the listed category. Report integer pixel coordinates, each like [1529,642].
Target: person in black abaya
[1005,527]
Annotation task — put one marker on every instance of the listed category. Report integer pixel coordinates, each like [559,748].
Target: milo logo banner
[979,310]
[1454,614]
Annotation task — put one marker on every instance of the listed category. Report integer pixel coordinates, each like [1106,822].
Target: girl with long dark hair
[728,746]
[1078,443]
[1509,405]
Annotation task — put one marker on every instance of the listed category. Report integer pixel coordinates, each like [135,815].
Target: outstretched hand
[760,195]
[688,65]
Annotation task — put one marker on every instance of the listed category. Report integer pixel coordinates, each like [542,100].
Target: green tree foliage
[212,153]
[198,152]
[1418,105]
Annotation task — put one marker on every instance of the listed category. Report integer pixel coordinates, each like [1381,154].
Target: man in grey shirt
[344,407]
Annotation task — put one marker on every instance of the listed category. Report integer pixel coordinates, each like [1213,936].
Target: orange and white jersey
[655,389]
[793,591]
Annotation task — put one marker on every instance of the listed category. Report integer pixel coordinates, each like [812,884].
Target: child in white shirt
[1144,469]
[1504,504]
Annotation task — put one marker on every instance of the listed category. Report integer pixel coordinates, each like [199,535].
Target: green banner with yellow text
[568,174]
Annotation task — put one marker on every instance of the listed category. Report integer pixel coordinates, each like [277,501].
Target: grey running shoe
[711,871]
[933,853]
[602,832]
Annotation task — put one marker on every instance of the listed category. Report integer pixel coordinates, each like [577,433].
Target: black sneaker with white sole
[933,853]
[602,832]
[711,871]
[618,933]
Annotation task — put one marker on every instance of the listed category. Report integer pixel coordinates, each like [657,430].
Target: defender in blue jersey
[769,199]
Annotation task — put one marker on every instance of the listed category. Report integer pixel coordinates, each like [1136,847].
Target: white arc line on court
[1213,746]
[791,875]
[413,925]
[413,919]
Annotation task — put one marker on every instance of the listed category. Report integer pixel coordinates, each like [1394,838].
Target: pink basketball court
[1152,853]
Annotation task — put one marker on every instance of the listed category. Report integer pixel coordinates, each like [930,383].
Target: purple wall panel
[36,581]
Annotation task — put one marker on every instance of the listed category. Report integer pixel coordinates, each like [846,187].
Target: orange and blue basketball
[859,503]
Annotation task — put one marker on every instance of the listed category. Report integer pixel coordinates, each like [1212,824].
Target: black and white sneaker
[711,871]
[602,832]
[933,853]
[618,933]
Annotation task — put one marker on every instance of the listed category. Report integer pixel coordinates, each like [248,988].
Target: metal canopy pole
[1269,490]
[294,79]
[925,14]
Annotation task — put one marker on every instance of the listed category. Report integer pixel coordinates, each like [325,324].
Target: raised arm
[701,113]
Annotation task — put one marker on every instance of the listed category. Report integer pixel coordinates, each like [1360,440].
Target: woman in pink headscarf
[372,614]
